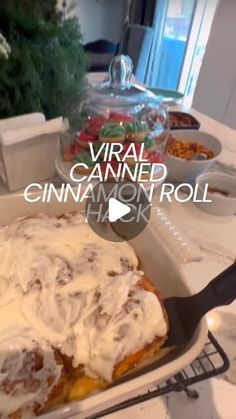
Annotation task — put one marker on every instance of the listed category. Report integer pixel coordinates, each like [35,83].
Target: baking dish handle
[176,242]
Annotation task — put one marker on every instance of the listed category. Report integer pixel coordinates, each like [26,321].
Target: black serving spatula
[184,313]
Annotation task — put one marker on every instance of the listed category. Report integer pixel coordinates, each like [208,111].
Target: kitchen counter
[216,239]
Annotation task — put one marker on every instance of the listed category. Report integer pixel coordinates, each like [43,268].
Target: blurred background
[177,46]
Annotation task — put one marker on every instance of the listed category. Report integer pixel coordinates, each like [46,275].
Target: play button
[118,211]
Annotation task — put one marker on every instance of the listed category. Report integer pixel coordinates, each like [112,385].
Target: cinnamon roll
[31,374]
[76,313]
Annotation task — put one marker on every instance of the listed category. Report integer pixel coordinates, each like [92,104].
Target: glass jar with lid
[119,110]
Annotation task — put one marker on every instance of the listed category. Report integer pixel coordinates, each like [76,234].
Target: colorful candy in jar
[95,123]
[86,159]
[120,117]
[112,132]
[83,139]
[136,148]
[70,151]
[109,169]
[149,144]
[136,131]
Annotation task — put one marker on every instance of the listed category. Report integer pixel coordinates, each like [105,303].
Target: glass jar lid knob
[120,72]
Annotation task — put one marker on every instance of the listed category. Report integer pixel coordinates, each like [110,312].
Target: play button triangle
[117,210]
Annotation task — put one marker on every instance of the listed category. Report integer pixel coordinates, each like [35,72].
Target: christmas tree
[46,66]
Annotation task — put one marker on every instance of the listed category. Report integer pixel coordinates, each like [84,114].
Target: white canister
[28,148]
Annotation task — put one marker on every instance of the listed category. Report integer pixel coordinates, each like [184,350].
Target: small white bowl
[220,205]
[181,170]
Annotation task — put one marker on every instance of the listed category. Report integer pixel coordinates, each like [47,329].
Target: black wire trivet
[212,361]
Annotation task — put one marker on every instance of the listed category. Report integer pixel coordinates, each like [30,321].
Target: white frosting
[64,287]
[121,326]
[16,338]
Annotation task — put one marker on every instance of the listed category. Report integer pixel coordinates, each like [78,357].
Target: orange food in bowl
[187,150]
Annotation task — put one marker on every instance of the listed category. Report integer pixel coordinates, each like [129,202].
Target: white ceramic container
[220,204]
[162,251]
[28,148]
[180,170]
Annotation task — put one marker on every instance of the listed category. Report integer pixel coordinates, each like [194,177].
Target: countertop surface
[216,239]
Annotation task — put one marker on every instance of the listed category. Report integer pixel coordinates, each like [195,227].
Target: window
[176,33]
[186,32]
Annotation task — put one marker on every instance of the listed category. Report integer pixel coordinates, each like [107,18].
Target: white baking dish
[162,251]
